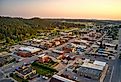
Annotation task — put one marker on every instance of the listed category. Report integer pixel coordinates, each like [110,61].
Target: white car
[44,77]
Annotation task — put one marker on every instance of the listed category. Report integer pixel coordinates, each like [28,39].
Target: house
[57,42]
[48,45]
[44,59]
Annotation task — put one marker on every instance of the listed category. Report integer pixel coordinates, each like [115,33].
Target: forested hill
[17,29]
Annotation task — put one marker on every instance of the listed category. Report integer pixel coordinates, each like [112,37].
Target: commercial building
[70,68]
[58,51]
[24,54]
[89,72]
[26,72]
[95,65]
[92,69]
[6,59]
[30,49]
[57,78]
[110,45]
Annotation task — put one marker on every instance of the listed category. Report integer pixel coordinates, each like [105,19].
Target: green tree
[8,40]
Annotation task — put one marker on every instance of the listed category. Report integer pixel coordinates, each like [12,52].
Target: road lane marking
[111,74]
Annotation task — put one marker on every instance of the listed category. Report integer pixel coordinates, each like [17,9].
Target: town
[90,54]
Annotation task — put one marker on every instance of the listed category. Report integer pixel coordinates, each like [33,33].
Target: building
[6,59]
[89,72]
[84,42]
[57,78]
[24,54]
[2,61]
[57,43]
[3,53]
[58,51]
[61,57]
[30,49]
[67,50]
[92,69]
[44,59]
[95,65]
[26,72]
[109,45]
[37,40]
[70,68]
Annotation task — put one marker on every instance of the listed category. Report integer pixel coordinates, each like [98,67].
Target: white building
[29,49]
[99,65]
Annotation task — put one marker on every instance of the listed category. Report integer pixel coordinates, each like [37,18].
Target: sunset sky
[91,9]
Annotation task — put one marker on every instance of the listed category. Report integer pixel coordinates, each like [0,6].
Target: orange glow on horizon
[95,9]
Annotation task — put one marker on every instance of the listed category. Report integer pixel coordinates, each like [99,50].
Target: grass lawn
[43,69]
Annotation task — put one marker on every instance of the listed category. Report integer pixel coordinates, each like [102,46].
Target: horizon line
[108,19]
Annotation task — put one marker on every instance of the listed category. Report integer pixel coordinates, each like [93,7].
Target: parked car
[44,77]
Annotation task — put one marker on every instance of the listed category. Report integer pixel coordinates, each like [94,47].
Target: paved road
[39,79]
[116,70]
[1,74]
[7,80]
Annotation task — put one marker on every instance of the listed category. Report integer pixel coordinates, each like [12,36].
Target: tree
[8,40]
[1,36]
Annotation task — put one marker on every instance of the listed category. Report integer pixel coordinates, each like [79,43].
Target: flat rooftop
[29,49]
[57,78]
[99,65]
[89,71]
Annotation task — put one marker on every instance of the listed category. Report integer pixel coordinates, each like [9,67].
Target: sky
[86,9]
